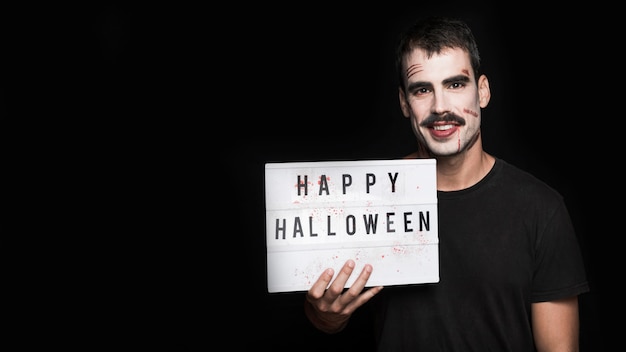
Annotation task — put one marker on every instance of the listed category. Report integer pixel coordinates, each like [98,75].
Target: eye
[422,91]
[457,85]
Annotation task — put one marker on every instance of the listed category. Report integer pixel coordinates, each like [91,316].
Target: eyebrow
[455,79]
[418,85]
[424,84]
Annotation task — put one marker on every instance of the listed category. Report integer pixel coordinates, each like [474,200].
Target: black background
[180,108]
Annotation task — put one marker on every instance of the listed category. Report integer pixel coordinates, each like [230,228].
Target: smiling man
[511,269]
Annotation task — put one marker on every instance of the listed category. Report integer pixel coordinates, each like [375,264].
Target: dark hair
[434,34]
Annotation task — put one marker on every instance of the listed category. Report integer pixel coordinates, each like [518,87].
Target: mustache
[450,117]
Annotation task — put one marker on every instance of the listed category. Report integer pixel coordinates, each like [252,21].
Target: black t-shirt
[504,243]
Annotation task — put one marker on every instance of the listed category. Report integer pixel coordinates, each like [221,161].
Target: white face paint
[442,86]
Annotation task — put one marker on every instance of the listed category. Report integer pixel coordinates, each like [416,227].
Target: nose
[440,104]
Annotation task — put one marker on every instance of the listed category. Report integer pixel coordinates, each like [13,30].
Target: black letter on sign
[350,225]
[390,222]
[297,228]
[347,181]
[303,185]
[393,181]
[425,221]
[323,184]
[330,233]
[407,221]
[371,179]
[281,229]
[312,234]
[370,225]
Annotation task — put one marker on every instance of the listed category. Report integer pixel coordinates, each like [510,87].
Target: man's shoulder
[522,179]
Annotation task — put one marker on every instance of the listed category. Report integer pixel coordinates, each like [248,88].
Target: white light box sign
[381,212]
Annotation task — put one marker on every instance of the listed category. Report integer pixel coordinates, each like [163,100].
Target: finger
[361,280]
[363,298]
[355,296]
[319,287]
[358,285]
[336,288]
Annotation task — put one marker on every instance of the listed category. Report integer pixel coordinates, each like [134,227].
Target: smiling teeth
[442,127]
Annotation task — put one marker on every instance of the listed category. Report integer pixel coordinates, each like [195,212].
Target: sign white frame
[320,214]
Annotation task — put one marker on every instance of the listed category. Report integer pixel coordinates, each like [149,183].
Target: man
[510,263]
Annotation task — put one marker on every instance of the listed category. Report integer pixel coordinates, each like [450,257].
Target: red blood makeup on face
[413,69]
[470,112]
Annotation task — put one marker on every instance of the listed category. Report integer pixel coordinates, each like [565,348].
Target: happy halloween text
[350,224]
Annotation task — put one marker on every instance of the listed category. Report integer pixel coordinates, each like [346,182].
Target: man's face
[443,100]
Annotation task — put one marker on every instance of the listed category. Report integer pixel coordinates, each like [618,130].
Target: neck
[462,170]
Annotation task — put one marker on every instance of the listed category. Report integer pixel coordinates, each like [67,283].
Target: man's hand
[329,307]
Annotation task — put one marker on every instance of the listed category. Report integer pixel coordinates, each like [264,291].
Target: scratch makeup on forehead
[413,69]
[471,112]
[465,71]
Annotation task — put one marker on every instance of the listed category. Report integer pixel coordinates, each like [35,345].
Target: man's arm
[556,325]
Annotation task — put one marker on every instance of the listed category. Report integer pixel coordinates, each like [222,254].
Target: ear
[404,104]
[484,93]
